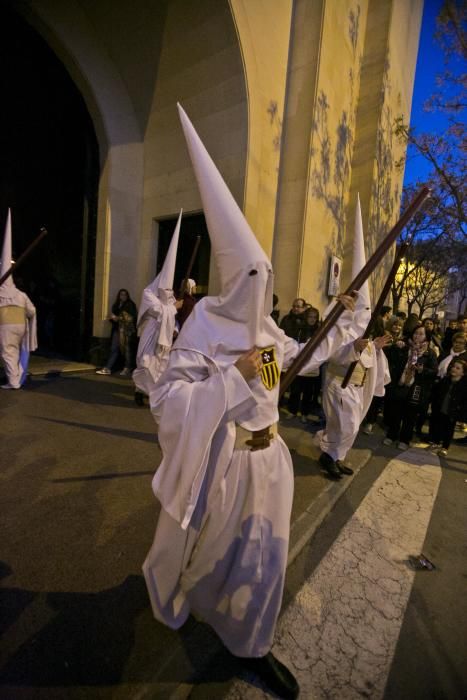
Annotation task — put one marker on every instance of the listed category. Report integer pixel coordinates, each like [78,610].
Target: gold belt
[15,315]
[341,375]
[253,440]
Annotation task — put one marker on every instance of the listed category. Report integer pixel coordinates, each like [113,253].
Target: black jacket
[457,406]
[296,327]
[420,391]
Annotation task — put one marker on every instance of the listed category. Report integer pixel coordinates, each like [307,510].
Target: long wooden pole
[301,359]
[190,265]
[379,305]
[23,256]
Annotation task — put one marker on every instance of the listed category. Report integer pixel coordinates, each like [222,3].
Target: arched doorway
[49,177]
[193,225]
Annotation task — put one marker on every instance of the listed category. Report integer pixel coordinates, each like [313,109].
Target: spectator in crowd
[458,350]
[294,326]
[275,309]
[434,340]
[304,390]
[437,326]
[449,405]
[401,315]
[379,324]
[434,343]
[446,342]
[411,322]
[294,323]
[413,369]
[394,329]
[123,334]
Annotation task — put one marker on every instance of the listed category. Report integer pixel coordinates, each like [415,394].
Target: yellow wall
[263,30]
[362,80]
[294,99]
[332,143]
[199,66]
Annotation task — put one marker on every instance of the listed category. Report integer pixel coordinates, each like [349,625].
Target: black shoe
[274,674]
[330,466]
[343,468]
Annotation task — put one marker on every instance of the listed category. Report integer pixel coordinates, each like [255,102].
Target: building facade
[294,99]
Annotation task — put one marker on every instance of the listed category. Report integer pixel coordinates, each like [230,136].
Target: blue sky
[430,62]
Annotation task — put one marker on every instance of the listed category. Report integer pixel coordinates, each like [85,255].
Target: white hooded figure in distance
[345,408]
[225,482]
[156,321]
[18,333]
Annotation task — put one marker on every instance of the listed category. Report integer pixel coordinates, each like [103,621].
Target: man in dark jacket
[294,323]
[295,326]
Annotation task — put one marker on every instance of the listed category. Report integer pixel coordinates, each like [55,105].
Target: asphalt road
[77,517]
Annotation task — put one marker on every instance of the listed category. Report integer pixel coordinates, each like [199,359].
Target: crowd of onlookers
[427,366]
[427,393]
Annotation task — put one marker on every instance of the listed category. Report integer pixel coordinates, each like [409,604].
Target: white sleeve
[338,335]
[30,308]
[190,401]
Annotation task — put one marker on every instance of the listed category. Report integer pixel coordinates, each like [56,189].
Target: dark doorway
[191,227]
[48,177]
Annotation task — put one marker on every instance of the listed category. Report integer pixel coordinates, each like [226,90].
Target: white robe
[156,326]
[345,408]
[220,547]
[17,338]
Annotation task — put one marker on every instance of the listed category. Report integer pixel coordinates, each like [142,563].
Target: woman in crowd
[411,322]
[123,335]
[458,350]
[434,340]
[394,328]
[413,367]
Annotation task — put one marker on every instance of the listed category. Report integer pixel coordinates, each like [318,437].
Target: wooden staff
[303,357]
[379,304]
[190,266]
[23,256]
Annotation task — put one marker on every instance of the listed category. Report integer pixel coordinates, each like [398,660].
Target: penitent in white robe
[18,335]
[156,326]
[221,543]
[345,408]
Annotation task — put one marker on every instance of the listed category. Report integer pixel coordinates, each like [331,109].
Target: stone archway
[49,177]
[65,28]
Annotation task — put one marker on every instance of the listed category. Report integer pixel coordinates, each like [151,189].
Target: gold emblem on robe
[270,373]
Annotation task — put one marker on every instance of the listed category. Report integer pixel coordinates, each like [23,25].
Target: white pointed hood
[8,288]
[239,317]
[363,305]
[162,284]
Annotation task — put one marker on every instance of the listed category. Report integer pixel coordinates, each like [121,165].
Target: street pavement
[77,517]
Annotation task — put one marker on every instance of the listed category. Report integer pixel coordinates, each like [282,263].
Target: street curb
[304,528]
[45,367]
